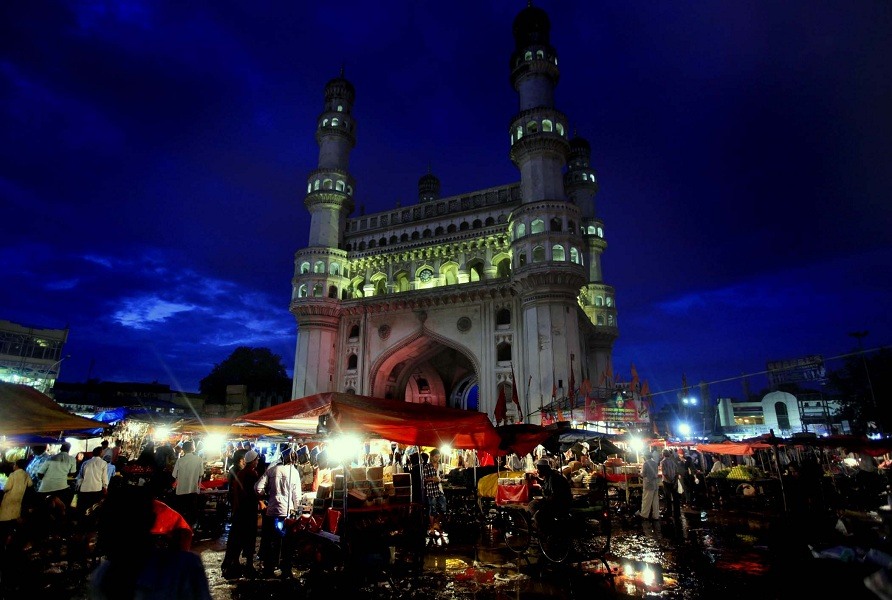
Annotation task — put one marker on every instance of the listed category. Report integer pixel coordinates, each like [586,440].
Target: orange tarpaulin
[402,422]
[733,448]
[26,410]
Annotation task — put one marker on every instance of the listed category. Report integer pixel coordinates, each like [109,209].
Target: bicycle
[584,531]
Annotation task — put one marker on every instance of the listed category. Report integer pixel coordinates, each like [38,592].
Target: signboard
[807,368]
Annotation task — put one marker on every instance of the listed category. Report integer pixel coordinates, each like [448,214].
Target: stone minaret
[548,252]
[320,268]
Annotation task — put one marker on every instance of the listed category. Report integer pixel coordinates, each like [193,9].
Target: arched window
[339,185]
[415,235]
[450,228]
[326,184]
[574,255]
[477,224]
[352,361]
[503,268]
[317,290]
[319,267]
[349,190]
[592,230]
[538,254]
[309,187]
[521,229]
[503,317]
[489,221]
[335,122]
[333,291]
[354,332]
[600,319]
[560,128]
[600,232]
[325,122]
[555,224]
[361,246]
[340,108]
[783,417]
[394,239]
[610,320]
[609,301]
[547,125]
[571,226]
[316,184]
[404,237]
[537,226]
[381,287]
[599,300]
[503,352]
[557,253]
[304,267]
[402,282]
[532,127]
[438,231]
[382,242]
[302,291]
[372,244]
[528,55]
[334,269]
[521,259]
[427,233]
[519,132]
[540,54]
[475,270]
[463,226]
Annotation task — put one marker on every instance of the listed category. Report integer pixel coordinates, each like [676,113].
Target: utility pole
[859,335]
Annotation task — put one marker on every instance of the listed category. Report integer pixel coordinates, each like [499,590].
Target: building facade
[31,355]
[449,300]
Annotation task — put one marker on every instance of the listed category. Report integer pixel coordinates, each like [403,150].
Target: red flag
[634,376]
[514,395]
[501,410]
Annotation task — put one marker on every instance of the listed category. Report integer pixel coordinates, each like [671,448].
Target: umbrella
[27,410]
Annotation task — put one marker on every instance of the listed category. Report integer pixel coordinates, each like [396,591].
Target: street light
[46,372]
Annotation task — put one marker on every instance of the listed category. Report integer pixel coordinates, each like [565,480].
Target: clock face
[425,275]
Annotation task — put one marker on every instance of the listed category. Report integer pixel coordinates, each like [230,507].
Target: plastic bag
[679,486]
[74,501]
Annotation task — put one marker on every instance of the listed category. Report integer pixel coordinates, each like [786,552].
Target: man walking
[188,471]
[280,484]
[670,473]
[650,488]
[92,482]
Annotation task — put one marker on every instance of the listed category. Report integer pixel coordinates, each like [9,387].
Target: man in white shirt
[188,471]
[91,482]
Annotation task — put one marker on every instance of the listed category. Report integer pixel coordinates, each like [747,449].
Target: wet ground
[711,554]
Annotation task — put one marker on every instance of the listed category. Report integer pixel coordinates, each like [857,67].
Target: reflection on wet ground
[711,554]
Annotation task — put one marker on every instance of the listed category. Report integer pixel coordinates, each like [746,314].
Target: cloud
[139,313]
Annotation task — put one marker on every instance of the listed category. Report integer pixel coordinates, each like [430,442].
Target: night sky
[155,159]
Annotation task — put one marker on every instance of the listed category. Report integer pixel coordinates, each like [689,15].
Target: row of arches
[532,127]
[326,183]
[539,54]
[424,276]
[426,233]
[554,253]
[345,124]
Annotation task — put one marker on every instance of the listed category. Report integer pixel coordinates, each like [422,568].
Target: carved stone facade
[447,300]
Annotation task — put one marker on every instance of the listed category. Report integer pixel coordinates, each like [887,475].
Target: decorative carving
[384,331]
[464,324]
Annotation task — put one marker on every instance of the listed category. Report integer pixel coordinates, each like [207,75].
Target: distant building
[784,413]
[31,355]
[96,396]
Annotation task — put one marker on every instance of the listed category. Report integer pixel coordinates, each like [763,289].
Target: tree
[257,368]
[864,383]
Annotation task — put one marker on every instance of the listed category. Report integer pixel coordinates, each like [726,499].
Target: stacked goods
[721,474]
[402,487]
[743,473]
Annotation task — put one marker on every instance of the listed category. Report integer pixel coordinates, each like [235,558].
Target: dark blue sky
[155,157]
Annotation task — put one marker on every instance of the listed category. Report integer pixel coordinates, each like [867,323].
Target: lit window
[557,253]
[538,254]
[521,229]
[547,125]
[319,267]
[537,226]
[305,267]
[528,55]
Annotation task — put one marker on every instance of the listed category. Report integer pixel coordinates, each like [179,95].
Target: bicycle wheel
[517,531]
[555,545]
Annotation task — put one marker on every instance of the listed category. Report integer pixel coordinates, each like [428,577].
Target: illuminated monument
[447,300]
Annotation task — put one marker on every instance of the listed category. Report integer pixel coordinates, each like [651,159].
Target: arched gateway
[449,300]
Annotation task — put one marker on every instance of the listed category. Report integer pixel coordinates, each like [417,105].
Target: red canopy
[27,410]
[402,422]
